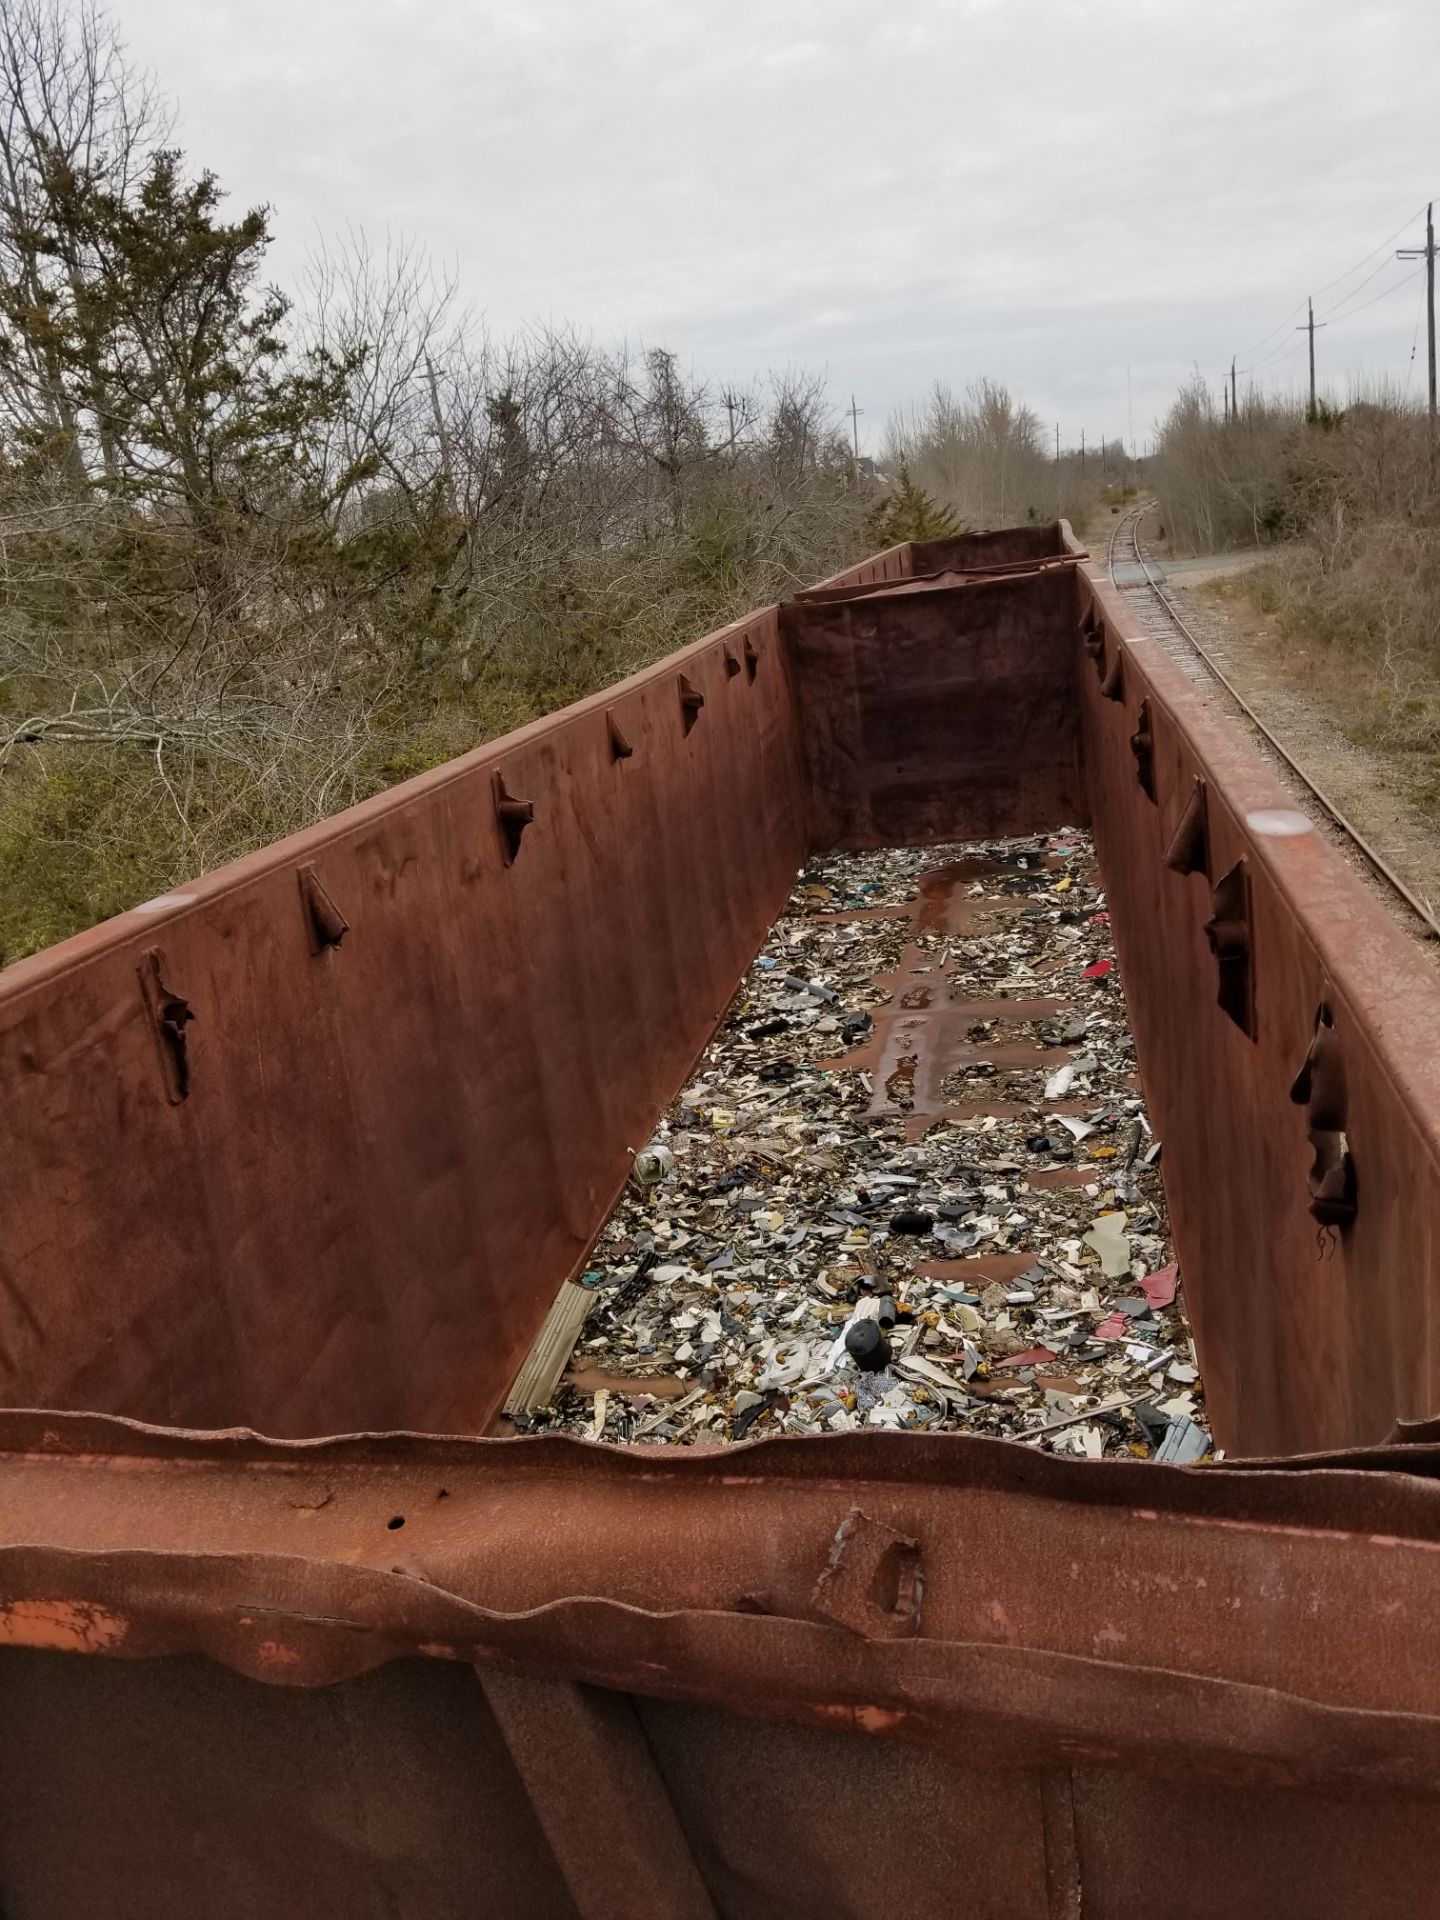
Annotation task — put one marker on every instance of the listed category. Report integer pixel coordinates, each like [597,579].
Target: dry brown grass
[1331,640]
[1349,599]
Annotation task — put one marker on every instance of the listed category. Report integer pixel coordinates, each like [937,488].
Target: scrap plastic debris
[652,1165]
[806,1247]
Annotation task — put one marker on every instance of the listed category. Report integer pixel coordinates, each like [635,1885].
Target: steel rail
[1381,866]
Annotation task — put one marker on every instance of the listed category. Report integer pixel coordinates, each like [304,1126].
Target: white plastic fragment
[785,1361]
[1109,1242]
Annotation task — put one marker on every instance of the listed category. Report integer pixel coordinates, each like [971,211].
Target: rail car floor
[911,1185]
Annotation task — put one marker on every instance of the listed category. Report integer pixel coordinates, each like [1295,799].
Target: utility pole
[1427,254]
[1225,399]
[1082,450]
[1059,491]
[855,413]
[730,414]
[1309,327]
[1234,402]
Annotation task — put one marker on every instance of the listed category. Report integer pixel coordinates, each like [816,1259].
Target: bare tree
[256,561]
[982,455]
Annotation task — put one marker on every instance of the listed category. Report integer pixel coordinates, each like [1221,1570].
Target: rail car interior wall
[309,1145]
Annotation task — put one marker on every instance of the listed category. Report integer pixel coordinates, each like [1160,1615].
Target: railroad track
[1124,550]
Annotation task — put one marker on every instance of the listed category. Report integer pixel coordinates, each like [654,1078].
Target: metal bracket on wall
[1092,633]
[1112,687]
[1142,746]
[1189,848]
[752,658]
[872,1582]
[691,703]
[1229,932]
[169,1017]
[513,816]
[732,665]
[324,922]
[620,747]
[1320,1087]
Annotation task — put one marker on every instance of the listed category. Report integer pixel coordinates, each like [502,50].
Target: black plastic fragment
[912,1221]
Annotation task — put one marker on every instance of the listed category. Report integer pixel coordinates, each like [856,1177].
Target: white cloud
[1045,192]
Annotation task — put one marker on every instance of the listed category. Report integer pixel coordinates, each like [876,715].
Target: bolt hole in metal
[398,1521]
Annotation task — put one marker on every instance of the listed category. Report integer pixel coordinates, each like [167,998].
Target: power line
[1409,221]
[1336,315]
[1340,305]
[1348,274]
[1383,294]
[1274,330]
[1285,351]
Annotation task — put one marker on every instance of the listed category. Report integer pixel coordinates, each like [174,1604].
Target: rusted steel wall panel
[590,1771]
[173,1790]
[895,563]
[1117,1684]
[932,716]
[1309,1337]
[1010,546]
[801,1823]
[165,1790]
[672,1571]
[1233,1853]
[168,1790]
[929,582]
[388,1155]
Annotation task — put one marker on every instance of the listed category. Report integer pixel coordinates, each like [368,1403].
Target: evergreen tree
[170,351]
[909,513]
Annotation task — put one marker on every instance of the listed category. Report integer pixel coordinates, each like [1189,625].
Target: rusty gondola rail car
[307,1147]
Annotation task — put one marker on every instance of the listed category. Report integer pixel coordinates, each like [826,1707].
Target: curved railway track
[1124,549]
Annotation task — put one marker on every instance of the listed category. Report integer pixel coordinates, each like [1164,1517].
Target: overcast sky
[1040,190]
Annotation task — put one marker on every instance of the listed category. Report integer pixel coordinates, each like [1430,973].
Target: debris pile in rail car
[912,1185]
